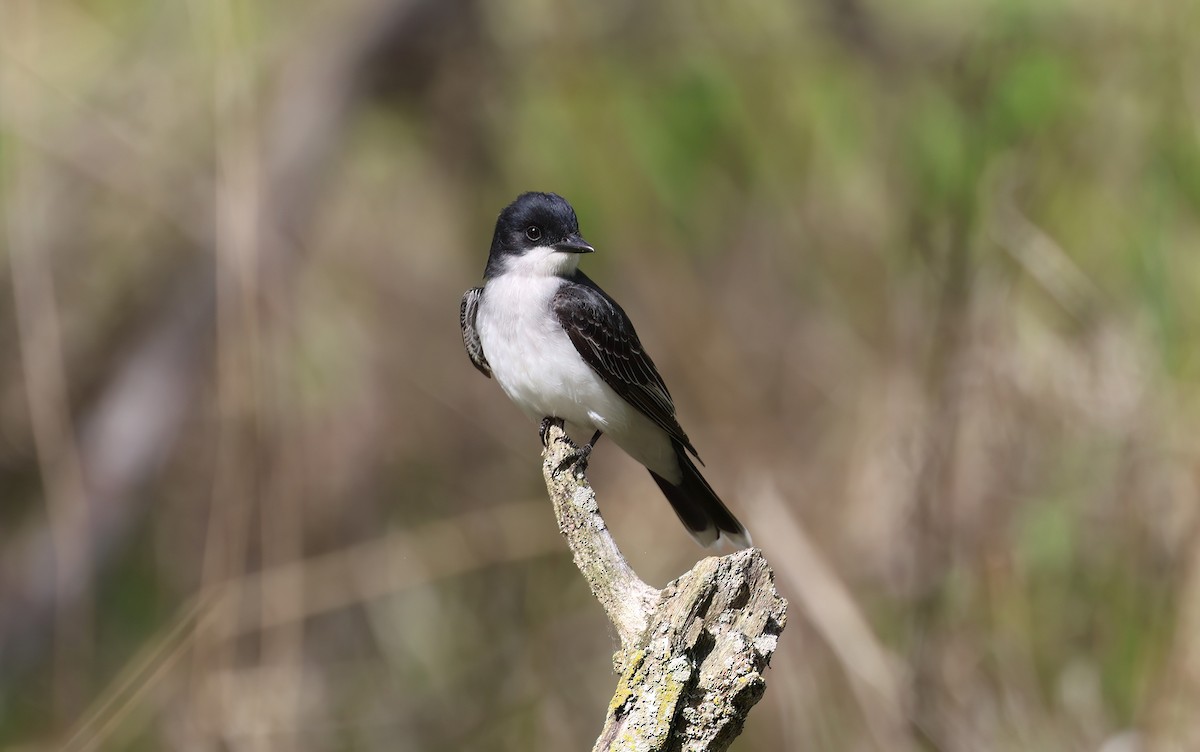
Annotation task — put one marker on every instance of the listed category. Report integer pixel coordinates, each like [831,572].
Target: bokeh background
[922,278]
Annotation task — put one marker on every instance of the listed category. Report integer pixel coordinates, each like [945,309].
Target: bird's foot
[544,431]
[578,459]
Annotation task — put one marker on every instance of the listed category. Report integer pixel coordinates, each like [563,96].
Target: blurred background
[918,276]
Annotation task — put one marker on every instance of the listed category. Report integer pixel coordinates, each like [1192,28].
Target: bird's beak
[573,243]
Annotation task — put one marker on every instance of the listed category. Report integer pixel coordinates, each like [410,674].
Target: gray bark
[693,654]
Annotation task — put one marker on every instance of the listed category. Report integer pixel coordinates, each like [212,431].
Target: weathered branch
[692,654]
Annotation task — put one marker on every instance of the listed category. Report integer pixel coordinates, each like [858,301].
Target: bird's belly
[545,376]
[538,367]
[531,356]
[580,397]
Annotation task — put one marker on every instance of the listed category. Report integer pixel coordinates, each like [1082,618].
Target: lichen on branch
[693,654]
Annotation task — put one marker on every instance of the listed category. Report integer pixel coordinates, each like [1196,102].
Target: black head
[541,229]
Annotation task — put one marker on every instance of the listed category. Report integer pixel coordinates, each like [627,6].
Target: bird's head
[537,235]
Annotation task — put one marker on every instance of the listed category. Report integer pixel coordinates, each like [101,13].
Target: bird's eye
[534,233]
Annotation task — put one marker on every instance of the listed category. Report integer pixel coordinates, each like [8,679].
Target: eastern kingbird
[563,350]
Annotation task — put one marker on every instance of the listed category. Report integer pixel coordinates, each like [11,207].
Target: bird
[564,351]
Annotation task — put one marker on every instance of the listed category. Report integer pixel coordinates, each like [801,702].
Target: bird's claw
[577,458]
[544,431]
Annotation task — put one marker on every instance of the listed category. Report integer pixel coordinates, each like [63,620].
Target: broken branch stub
[693,654]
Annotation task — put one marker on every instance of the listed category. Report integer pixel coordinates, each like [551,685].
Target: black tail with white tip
[699,508]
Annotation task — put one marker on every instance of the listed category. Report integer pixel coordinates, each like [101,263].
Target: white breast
[531,356]
[538,367]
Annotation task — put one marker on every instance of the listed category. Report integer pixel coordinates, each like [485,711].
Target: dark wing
[604,336]
[466,319]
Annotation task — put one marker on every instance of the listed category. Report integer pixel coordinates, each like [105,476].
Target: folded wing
[605,338]
[466,319]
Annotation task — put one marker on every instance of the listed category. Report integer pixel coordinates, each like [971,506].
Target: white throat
[541,262]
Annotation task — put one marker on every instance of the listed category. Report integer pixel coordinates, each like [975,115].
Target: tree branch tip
[693,654]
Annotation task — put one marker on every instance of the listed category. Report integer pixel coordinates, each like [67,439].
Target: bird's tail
[699,508]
